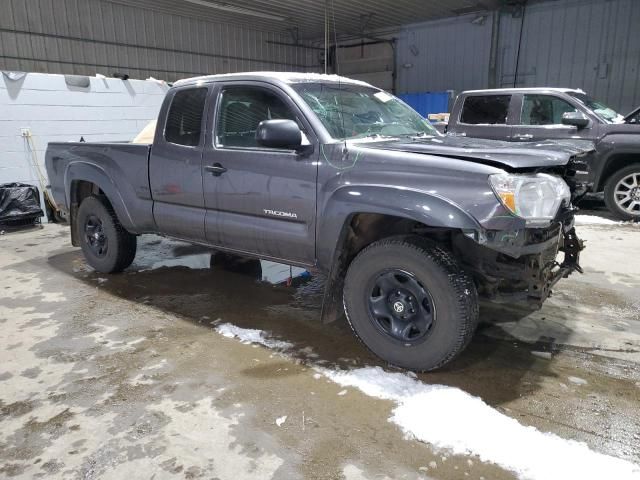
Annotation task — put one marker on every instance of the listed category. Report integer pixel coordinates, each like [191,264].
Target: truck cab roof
[284,77]
[496,91]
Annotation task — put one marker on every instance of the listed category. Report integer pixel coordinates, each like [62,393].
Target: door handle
[216,169]
[523,136]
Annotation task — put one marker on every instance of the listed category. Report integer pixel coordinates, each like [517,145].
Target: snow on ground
[595,220]
[247,335]
[450,419]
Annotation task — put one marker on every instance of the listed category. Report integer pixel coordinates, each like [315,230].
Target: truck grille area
[529,276]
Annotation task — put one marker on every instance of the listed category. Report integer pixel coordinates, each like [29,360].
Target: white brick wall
[109,110]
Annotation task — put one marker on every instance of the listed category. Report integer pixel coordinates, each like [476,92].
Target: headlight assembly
[534,197]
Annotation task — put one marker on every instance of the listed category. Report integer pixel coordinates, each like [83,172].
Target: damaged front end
[522,266]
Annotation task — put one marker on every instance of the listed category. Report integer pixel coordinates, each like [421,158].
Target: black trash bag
[19,202]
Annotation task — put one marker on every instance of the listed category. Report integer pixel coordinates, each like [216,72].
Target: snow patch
[249,335]
[595,220]
[546,355]
[578,380]
[451,419]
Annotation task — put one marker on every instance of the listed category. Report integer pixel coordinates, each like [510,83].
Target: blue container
[427,102]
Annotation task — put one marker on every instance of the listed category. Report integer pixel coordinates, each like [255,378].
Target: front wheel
[106,245]
[410,303]
[622,193]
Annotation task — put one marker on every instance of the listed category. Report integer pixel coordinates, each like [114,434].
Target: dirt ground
[125,376]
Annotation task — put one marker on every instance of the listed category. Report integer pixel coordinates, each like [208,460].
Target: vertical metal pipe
[326,37]
[515,74]
[492,81]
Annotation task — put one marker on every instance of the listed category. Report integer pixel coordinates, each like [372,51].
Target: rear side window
[184,120]
[489,109]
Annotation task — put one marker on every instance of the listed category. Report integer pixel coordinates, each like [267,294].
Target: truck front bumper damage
[522,266]
[543,276]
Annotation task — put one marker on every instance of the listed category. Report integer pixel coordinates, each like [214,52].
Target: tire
[451,302]
[619,183]
[97,225]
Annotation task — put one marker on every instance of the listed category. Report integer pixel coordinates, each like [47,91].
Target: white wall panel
[108,110]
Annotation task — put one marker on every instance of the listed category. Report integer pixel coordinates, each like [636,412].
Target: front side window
[487,110]
[184,120]
[242,109]
[544,110]
[351,111]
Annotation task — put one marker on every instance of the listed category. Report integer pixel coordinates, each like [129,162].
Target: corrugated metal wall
[588,44]
[450,54]
[91,36]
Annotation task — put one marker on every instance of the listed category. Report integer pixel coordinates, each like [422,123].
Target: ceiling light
[235,9]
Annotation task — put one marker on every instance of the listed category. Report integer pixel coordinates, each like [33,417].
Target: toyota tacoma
[409,226]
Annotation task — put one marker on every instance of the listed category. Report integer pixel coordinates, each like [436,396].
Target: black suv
[535,114]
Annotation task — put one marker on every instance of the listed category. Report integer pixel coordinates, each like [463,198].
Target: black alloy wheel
[95,236]
[401,307]
[106,245]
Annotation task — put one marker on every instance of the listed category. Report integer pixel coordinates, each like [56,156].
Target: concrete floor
[124,376]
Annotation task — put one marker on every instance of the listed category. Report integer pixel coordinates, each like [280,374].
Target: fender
[89,172]
[424,207]
[609,148]
[418,205]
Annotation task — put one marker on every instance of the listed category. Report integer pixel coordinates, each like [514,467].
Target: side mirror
[279,133]
[575,119]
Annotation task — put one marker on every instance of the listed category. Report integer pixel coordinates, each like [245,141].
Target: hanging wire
[326,35]
[337,68]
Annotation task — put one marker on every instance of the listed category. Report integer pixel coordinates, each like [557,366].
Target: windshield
[605,113]
[356,111]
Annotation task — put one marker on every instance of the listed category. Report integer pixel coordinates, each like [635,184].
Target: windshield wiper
[419,135]
[374,135]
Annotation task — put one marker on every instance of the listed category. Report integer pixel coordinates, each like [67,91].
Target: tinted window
[544,110]
[241,110]
[490,109]
[184,121]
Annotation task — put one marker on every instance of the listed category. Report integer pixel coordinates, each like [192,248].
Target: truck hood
[510,155]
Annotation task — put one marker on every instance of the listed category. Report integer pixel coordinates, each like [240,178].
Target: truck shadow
[496,368]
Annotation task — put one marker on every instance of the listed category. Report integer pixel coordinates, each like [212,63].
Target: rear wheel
[410,303]
[106,245]
[622,193]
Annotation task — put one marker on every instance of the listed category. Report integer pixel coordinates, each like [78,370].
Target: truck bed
[125,166]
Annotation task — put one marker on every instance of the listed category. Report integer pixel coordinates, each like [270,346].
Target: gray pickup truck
[410,227]
[535,114]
